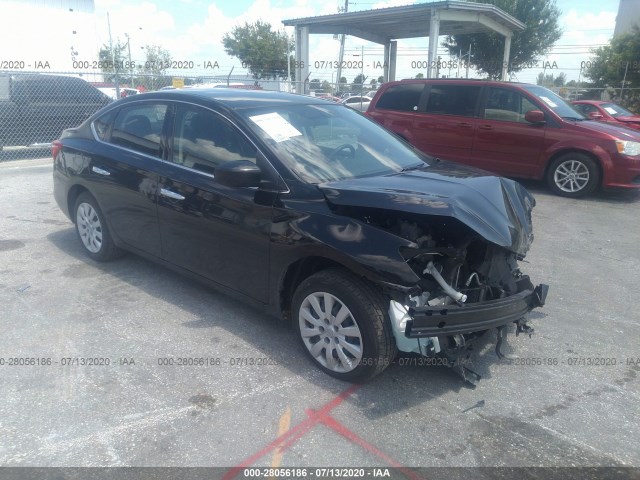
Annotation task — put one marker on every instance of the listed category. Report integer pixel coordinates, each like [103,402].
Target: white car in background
[357,102]
[124,92]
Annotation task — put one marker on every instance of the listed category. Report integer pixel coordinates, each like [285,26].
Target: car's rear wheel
[342,323]
[573,175]
[93,231]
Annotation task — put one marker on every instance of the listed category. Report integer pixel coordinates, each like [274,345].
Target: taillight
[55,148]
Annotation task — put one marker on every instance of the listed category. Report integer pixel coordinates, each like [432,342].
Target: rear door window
[139,128]
[405,97]
[460,100]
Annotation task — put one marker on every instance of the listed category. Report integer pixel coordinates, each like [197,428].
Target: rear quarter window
[401,97]
[102,125]
[139,128]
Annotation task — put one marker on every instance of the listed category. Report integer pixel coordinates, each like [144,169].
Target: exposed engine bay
[467,286]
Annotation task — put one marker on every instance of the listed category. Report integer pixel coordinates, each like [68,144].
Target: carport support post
[302,58]
[387,49]
[505,58]
[434,34]
[393,54]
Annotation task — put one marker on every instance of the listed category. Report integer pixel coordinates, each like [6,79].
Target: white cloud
[581,33]
[201,39]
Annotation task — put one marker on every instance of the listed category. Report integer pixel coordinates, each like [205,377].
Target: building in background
[628,17]
[48,35]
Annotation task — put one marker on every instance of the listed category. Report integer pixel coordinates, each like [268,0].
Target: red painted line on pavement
[338,427]
[285,441]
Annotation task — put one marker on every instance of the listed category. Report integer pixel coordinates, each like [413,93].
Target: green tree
[608,64]
[560,80]
[153,71]
[263,51]
[527,46]
[157,60]
[359,80]
[381,79]
[326,86]
[550,80]
[420,75]
[111,60]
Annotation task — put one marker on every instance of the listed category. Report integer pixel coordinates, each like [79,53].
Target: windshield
[554,102]
[324,143]
[616,110]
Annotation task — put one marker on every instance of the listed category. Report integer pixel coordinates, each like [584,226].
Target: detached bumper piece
[474,317]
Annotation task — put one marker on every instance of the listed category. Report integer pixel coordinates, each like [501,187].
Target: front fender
[366,250]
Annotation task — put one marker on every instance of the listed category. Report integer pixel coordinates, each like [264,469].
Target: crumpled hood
[497,208]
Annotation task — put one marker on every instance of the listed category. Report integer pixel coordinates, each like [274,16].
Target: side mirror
[238,173]
[595,116]
[534,116]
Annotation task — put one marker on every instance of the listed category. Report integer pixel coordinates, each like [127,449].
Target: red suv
[513,129]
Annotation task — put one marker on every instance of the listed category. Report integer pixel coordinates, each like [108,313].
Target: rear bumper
[455,319]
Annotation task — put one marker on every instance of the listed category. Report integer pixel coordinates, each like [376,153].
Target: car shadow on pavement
[275,340]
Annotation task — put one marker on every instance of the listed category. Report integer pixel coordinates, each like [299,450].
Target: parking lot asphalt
[568,396]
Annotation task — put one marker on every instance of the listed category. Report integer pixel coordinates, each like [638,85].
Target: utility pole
[468,60]
[341,56]
[113,59]
[130,67]
[624,79]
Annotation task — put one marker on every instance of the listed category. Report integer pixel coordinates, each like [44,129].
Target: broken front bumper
[474,317]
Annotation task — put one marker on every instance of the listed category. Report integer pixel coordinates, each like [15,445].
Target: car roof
[233,98]
[591,102]
[460,81]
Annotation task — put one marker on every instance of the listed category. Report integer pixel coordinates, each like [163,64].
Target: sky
[192,31]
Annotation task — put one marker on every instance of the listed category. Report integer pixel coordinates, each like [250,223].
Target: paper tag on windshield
[275,126]
[610,110]
[549,102]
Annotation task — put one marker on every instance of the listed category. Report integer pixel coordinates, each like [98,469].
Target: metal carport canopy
[385,25]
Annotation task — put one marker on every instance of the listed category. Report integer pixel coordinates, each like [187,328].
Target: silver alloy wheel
[89,227]
[571,176]
[330,332]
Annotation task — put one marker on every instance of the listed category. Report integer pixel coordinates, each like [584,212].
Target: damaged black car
[309,210]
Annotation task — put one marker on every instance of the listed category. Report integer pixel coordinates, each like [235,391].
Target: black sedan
[310,211]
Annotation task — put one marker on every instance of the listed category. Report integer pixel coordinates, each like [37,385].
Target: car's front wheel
[93,231]
[342,324]
[573,175]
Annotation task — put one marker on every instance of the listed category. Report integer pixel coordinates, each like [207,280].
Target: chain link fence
[35,108]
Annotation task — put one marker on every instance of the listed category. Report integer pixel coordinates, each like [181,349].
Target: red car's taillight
[56,147]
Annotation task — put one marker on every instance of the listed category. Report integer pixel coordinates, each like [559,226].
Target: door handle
[169,194]
[485,127]
[464,124]
[100,171]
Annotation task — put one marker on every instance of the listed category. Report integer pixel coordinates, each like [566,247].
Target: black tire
[585,179]
[92,230]
[367,311]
